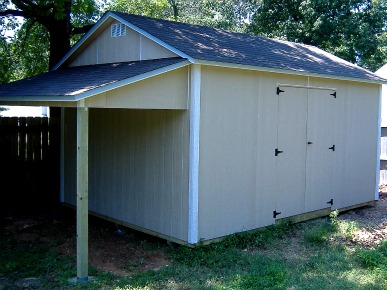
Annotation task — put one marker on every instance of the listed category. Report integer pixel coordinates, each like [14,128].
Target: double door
[305,151]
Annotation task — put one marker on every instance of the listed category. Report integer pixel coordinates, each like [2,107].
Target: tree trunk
[60,34]
[59,41]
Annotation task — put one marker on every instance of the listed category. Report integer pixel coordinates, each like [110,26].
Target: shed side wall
[239,174]
[138,168]
[131,47]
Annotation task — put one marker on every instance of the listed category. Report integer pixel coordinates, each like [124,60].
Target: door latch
[332,148]
[330,202]
[279,91]
[276,152]
[275,213]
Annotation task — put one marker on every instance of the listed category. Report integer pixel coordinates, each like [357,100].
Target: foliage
[224,14]
[35,35]
[351,29]
[151,8]
[375,258]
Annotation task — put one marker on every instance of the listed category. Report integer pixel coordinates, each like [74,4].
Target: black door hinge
[330,202]
[333,148]
[279,91]
[275,213]
[276,152]
[333,94]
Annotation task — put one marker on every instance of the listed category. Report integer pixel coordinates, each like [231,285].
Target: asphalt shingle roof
[204,43]
[73,81]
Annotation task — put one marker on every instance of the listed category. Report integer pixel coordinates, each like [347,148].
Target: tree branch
[82,29]
[11,12]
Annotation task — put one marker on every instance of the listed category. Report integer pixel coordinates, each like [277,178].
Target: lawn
[318,254]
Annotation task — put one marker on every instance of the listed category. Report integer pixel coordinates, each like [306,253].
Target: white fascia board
[284,71]
[153,38]
[82,40]
[38,99]
[98,90]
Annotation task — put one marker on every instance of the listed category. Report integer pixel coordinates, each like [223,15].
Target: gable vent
[118,29]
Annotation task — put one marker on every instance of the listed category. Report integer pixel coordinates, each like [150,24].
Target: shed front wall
[243,120]
[131,47]
[138,167]
[154,96]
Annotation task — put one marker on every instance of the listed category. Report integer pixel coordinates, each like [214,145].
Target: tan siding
[227,170]
[131,47]
[138,168]
[356,131]
[165,91]
[241,182]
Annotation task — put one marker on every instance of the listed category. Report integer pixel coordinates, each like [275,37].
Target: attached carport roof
[76,83]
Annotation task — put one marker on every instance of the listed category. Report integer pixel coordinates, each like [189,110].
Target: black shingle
[75,80]
[204,43]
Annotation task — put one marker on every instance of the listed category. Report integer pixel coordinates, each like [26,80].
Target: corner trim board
[193,200]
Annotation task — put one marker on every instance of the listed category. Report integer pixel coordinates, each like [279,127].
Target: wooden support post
[82,193]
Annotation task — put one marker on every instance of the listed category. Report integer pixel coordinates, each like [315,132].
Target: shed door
[304,151]
[319,158]
[292,119]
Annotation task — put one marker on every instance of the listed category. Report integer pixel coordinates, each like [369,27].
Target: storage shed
[192,133]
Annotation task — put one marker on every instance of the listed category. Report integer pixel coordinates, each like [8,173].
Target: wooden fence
[24,139]
[29,163]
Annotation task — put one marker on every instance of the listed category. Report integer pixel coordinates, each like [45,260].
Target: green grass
[258,260]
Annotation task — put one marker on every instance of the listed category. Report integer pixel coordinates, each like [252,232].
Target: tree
[52,23]
[351,29]
[224,14]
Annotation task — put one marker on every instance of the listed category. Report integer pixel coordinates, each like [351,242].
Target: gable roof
[75,83]
[204,45]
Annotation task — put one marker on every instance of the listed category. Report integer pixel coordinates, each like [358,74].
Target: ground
[122,251]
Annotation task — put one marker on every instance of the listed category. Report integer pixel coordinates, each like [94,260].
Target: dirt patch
[371,220]
[120,251]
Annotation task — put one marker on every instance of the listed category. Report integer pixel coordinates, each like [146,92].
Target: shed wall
[155,96]
[241,181]
[131,47]
[138,167]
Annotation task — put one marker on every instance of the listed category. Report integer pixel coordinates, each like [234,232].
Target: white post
[82,193]
[194,107]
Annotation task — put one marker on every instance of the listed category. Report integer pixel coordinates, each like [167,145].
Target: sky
[19,111]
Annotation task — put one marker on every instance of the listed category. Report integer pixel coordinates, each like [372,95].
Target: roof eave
[285,71]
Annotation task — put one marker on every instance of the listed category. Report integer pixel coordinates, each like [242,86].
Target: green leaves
[351,29]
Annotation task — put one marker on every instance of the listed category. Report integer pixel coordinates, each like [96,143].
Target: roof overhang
[76,99]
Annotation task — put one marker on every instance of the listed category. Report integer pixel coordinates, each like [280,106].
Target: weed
[319,233]
[374,258]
